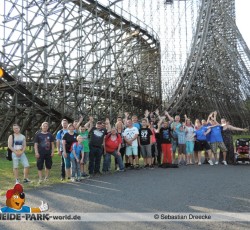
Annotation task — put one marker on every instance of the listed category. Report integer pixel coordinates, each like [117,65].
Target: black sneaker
[146,166]
[132,166]
[98,173]
[26,180]
[137,166]
[85,175]
[205,162]
[151,166]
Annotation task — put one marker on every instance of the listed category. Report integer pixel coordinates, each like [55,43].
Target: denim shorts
[131,150]
[67,161]
[23,159]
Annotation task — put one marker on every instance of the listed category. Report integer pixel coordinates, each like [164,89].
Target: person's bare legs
[47,173]
[26,172]
[40,174]
[15,171]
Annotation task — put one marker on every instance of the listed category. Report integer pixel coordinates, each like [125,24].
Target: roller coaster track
[28,98]
[217,73]
[195,56]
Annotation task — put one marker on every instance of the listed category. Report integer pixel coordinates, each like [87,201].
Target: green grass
[240,136]
[7,180]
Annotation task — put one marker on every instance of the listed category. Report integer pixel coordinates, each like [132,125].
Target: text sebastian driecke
[185,217]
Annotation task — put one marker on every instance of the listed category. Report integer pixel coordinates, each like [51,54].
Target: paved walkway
[186,189]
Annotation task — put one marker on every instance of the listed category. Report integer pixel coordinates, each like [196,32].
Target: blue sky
[243,18]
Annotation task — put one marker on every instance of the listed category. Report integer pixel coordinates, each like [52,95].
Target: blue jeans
[95,156]
[75,168]
[174,142]
[107,160]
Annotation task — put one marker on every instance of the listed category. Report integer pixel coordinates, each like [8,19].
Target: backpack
[71,147]
[9,151]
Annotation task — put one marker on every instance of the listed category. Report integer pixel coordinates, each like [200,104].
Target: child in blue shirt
[181,134]
[77,152]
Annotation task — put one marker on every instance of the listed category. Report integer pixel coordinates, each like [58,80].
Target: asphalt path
[187,189]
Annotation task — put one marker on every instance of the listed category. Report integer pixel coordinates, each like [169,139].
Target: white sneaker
[224,162]
[199,163]
[73,179]
[210,162]
[216,163]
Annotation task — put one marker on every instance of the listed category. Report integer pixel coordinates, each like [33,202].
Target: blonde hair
[79,136]
[45,122]
[70,124]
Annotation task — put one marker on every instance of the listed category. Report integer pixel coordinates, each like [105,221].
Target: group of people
[156,139]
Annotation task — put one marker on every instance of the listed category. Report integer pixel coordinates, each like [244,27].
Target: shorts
[44,158]
[189,147]
[67,161]
[131,150]
[219,145]
[23,159]
[86,158]
[146,151]
[182,148]
[201,145]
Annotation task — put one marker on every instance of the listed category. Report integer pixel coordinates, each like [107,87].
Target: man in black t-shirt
[145,141]
[97,135]
[44,150]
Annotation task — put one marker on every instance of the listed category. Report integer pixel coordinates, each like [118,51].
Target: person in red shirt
[112,147]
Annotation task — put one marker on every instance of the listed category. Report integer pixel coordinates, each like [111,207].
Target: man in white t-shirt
[130,136]
[18,146]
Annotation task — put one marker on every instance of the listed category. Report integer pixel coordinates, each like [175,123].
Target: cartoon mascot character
[15,199]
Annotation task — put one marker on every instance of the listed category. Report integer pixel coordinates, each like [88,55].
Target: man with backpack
[17,144]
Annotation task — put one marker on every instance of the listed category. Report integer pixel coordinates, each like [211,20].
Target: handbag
[9,151]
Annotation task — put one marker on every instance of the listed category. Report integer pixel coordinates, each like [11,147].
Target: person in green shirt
[84,132]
